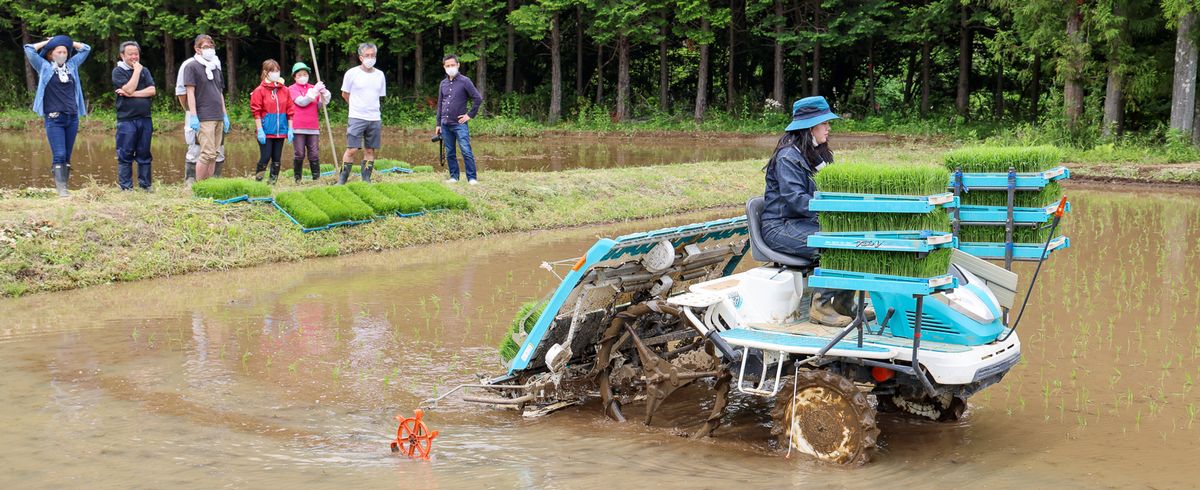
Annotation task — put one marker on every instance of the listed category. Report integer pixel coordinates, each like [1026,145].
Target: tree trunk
[1035,96]
[777,87]
[816,69]
[702,75]
[555,69]
[579,51]
[1073,73]
[998,95]
[481,70]
[282,54]
[399,70]
[599,74]
[871,77]
[622,78]
[909,79]
[962,99]
[1114,92]
[418,65]
[509,59]
[1183,91]
[230,67]
[169,59]
[924,79]
[30,76]
[664,72]
[730,90]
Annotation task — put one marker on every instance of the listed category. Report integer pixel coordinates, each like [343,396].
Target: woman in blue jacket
[786,220]
[59,98]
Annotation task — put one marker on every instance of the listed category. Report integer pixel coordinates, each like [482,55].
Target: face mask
[60,58]
[273,76]
[302,80]
[368,62]
[452,71]
[208,54]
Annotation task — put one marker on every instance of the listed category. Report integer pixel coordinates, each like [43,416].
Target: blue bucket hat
[809,112]
[56,41]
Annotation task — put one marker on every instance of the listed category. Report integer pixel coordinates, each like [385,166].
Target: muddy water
[26,156]
[289,375]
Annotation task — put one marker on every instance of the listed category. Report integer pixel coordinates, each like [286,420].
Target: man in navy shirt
[452,117]
[135,92]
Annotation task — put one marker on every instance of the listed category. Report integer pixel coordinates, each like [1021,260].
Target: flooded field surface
[289,375]
[27,155]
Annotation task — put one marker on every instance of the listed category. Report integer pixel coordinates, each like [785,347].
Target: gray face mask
[60,58]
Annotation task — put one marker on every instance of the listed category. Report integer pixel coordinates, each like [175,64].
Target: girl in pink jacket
[306,125]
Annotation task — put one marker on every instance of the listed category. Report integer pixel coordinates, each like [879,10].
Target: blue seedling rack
[880,203]
[919,241]
[1008,216]
[998,181]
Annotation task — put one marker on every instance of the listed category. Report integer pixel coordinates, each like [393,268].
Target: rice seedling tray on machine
[883,283]
[1020,251]
[998,215]
[880,203]
[918,241]
[998,181]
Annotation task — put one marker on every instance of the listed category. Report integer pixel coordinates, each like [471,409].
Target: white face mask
[273,76]
[452,71]
[60,58]
[208,54]
[302,80]
[368,62]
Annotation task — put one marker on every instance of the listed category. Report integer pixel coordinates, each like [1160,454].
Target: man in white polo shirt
[362,87]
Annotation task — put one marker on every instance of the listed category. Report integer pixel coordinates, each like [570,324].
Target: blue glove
[262,136]
[290,135]
[225,118]
[193,121]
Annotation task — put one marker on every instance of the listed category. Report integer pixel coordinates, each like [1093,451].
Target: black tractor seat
[758,247]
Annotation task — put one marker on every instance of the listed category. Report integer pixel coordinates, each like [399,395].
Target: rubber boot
[367,167]
[274,172]
[298,169]
[189,174]
[260,171]
[61,174]
[344,175]
[217,171]
[314,167]
[846,303]
[822,311]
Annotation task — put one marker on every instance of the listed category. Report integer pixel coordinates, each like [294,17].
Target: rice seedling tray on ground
[230,189]
[919,241]
[318,228]
[1021,251]
[880,203]
[861,281]
[999,180]
[972,214]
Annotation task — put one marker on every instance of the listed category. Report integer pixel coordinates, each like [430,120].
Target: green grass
[406,202]
[423,169]
[356,209]
[936,263]
[301,208]
[1021,234]
[937,220]
[370,194]
[1023,199]
[883,178]
[325,167]
[1000,158]
[227,188]
[526,317]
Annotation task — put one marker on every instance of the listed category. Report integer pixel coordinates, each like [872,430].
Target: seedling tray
[998,181]
[992,215]
[1021,251]
[891,241]
[861,281]
[880,203]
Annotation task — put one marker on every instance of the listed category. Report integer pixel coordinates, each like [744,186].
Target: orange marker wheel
[413,438]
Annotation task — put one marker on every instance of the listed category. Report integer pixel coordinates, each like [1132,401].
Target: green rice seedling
[325,167]
[421,169]
[1022,199]
[379,202]
[879,178]
[307,213]
[1000,158]
[329,205]
[357,209]
[390,163]
[450,199]
[991,233]
[406,202]
[526,317]
[906,264]
[227,188]
[936,220]
[429,199]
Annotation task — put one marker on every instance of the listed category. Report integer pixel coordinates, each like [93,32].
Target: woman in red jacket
[271,105]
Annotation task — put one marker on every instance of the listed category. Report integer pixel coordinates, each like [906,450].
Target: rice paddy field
[289,374]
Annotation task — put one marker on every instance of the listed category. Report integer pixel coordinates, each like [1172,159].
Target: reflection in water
[289,374]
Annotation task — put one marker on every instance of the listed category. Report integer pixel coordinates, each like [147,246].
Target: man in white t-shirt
[362,87]
[189,136]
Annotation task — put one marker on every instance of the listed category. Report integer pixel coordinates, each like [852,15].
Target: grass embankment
[101,235]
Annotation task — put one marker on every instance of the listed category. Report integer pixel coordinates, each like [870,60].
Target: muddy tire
[943,408]
[824,415]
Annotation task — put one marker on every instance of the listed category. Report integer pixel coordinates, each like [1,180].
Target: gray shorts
[363,134]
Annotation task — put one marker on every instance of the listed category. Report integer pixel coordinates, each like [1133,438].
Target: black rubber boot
[61,174]
[189,174]
[314,167]
[298,169]
[274,172]
[344,175]
[217,171]
[846,303]
[260,170]
[367,167]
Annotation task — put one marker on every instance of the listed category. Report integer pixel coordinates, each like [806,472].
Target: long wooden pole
[324,108]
